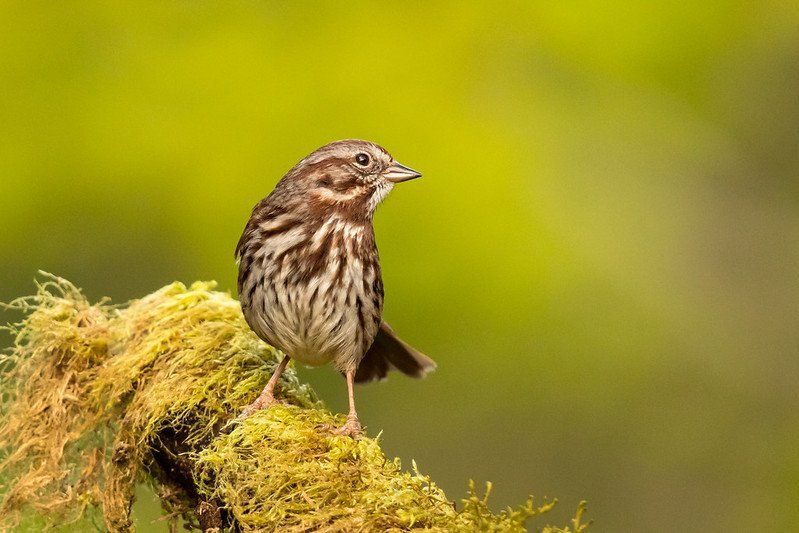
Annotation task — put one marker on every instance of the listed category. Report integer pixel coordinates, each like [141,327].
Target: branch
[100,398]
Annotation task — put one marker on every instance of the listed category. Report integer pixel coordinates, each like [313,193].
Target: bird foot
[351,429]
[264,401]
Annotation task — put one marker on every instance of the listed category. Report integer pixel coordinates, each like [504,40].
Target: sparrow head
[352,174]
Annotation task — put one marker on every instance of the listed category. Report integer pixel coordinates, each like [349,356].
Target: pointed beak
[396,173]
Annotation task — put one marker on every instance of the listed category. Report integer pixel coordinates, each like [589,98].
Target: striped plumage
[309,275]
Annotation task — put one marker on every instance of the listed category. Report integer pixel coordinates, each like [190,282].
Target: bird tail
[389,351]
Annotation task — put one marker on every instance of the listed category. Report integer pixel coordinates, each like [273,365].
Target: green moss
[89,390]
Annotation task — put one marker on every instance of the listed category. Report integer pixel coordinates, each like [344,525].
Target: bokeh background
[602,256]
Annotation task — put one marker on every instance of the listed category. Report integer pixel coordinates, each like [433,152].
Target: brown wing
[389,351]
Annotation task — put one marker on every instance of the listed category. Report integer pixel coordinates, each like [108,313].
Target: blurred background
[602,256]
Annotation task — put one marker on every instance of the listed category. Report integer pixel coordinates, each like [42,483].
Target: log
[100,398]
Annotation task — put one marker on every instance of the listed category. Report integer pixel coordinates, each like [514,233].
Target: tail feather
[389,351]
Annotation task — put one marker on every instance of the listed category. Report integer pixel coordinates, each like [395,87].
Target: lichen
[89,389]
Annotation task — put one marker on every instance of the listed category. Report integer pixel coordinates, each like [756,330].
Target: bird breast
[313,291]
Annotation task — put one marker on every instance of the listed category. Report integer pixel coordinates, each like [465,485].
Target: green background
[602,256]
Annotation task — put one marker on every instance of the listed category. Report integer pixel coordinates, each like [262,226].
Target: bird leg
[353,426]
[267,397]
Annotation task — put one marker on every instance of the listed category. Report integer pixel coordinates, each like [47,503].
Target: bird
[309,278]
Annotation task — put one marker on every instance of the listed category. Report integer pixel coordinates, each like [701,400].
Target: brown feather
[389,351]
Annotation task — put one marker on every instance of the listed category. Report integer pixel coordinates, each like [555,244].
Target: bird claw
[351,429]
[262,402]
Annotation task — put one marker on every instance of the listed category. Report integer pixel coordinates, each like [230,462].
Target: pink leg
[353,425]
[267,397]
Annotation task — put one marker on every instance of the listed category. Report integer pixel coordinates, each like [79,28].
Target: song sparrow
[309,276]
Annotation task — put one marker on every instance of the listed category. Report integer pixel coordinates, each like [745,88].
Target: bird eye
[362,159]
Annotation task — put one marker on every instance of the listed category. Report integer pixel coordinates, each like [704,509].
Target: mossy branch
[98,398]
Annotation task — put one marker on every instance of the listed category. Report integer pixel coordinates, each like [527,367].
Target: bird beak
[396,173]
